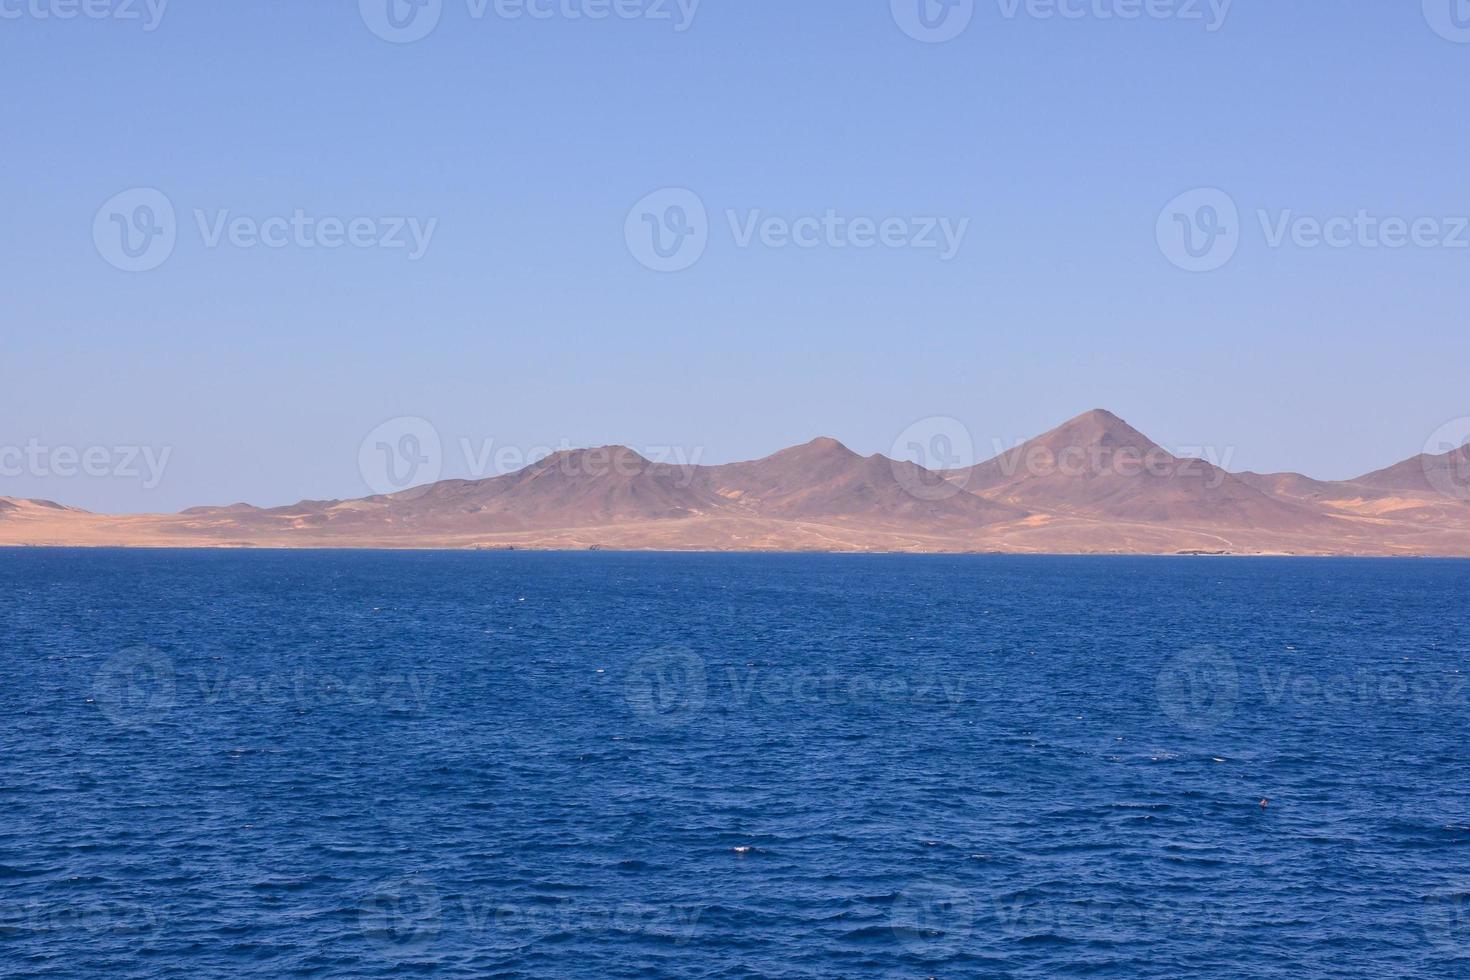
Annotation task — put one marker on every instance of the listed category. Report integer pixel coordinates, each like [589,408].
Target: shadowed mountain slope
[825,479]
[1099,466]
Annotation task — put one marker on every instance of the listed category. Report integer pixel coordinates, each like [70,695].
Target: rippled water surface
[596,765]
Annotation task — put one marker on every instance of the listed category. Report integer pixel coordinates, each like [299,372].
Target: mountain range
[1094,485]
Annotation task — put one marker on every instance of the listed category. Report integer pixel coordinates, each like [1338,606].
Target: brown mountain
[1093,485]
[1099,466]
[1446,474]
[18,504]
[579,488]
[825,480]
[609,485]
[1292,486]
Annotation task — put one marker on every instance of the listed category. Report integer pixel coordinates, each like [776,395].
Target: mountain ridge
[1093,484]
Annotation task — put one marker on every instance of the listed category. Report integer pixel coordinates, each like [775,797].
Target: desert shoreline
[753,552]
[1093,486]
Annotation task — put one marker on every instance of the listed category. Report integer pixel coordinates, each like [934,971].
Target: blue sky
[528,320]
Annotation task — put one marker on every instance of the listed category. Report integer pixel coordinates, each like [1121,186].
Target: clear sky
[521,145]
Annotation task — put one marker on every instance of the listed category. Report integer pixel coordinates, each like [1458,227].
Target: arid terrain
[1095,485]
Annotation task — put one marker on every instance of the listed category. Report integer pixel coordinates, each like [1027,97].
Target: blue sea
[220,764]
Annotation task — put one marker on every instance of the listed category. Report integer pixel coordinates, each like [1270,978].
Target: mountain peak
[1098,427]
[598,457]
[823,448]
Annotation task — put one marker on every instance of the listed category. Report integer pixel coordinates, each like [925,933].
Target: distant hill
[1444,473]
[1099,466]
[1094,484]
